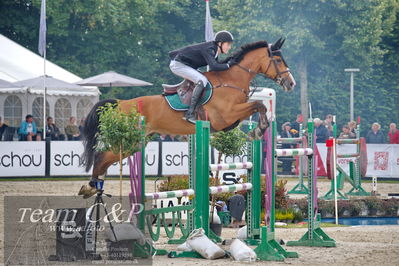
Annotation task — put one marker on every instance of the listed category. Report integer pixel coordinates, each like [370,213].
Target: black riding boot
[189,116]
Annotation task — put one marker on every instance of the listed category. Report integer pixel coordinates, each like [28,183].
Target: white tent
[18,63]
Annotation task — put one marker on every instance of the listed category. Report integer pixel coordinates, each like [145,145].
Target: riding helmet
[224,36]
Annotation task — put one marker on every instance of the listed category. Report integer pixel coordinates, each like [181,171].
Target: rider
[186,61]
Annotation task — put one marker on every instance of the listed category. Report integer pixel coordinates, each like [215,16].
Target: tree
[120,133]
[323,37]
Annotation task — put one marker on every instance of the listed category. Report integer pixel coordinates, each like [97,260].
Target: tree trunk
[303,80]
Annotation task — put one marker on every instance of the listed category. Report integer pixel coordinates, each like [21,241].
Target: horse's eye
[279,61]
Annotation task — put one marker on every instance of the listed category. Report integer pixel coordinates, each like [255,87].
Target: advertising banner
[65,159]
[21,159]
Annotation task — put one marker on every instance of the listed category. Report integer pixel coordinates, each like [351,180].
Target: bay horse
[227,107]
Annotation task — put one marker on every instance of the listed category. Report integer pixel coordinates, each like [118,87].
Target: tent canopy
[18,63]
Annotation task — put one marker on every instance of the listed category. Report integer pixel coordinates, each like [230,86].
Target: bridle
[278,78]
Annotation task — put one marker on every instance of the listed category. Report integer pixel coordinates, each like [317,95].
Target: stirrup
[190,119]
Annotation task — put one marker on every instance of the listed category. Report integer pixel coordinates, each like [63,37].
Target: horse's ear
[276,45]
[281,45]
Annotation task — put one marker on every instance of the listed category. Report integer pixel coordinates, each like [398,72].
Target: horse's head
[276,68]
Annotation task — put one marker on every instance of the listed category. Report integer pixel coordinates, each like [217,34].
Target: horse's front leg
[244,110]
[263,123]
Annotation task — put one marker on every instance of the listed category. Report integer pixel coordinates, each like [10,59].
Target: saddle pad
[176,104]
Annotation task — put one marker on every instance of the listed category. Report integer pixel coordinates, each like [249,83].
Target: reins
[248,93]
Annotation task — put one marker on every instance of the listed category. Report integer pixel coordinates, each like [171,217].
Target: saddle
[179,96]
[184,89]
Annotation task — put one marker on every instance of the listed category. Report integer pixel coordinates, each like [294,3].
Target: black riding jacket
[199,55]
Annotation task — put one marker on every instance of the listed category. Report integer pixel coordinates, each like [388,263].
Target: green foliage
[119,132]
[174,183]
[298,216]
[285,214]
[229,143]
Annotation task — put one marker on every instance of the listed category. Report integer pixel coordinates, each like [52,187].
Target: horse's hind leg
[102,161]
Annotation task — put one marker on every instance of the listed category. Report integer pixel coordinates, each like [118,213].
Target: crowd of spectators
[324,130]
[29,131]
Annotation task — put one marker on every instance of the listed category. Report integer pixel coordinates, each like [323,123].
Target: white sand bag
[242,233]
[200,243]
[184,247]
[241,252]
[216,218]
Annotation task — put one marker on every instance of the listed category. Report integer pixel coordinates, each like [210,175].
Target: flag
[209,35]
[43,29]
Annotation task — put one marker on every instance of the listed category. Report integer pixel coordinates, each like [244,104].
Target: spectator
[52,131]
[28,130]
[287,161]
[321,131]
[375,135]
[352,126]
[3,127]
[295,125]
[328,123]
[81,126]
[393,134]
[346,133]
[72,130]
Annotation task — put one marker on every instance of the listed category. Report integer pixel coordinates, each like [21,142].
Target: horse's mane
[243,50]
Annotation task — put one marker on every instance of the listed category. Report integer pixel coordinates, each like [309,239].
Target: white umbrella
[112,79]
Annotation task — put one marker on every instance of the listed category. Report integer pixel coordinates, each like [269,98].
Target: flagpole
[45,94]
[42,51]
[209,34]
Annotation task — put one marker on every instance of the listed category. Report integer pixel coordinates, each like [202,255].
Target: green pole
[253,207]
[201,179]
[315,236]
[274,176]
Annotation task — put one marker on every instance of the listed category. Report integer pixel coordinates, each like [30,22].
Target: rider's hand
[232,62]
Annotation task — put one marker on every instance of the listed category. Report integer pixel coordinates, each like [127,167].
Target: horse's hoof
[87,191]
[251,135]
[259,134]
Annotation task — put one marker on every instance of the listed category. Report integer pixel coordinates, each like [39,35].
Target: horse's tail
[90,130]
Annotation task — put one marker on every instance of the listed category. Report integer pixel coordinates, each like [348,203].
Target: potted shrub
[373,205]
[326,208]
[281,199]
[298,217]
[355,207]
[344,208]
[299,205]
[391,206]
